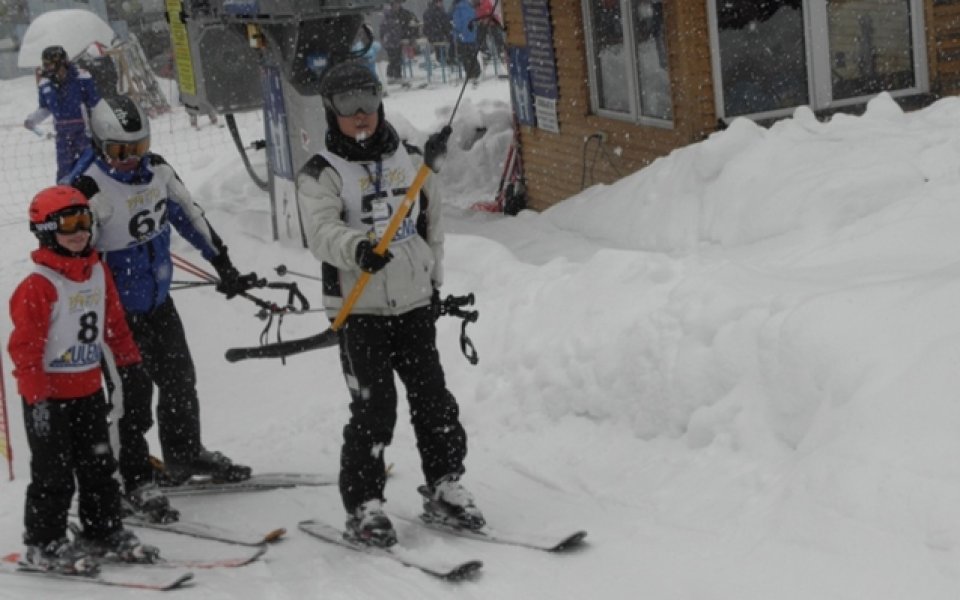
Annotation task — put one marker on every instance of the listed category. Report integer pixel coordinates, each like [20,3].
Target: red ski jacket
[30,309]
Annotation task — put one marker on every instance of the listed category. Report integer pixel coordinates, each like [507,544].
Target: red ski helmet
[58,208]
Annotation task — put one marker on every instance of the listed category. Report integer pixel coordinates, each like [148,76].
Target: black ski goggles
[125,150]
[365,99]
[73,220]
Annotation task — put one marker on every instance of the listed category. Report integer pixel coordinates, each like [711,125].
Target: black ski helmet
[343,77]
[346,76]
[52,58]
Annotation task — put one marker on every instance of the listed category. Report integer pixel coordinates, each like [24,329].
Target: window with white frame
[627,58]
[770,57]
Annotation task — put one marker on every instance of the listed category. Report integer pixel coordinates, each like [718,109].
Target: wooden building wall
[554,164]
[943,46]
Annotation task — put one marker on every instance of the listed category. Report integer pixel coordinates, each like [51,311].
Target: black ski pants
[394,63]
[468,57]
[135,394]
[69,439]
[163,345]
[372,348]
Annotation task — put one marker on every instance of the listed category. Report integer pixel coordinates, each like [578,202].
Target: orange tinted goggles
[125,150]
[73,222]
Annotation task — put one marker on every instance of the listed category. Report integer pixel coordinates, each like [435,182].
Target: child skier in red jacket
[62,315]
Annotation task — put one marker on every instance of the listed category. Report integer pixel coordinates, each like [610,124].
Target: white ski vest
[141,215]
[75,337]
[372,192]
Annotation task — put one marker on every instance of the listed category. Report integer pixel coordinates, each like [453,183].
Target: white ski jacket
[342,203]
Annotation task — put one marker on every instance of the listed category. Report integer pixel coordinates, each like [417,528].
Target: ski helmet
[121,131]
[349,87]
[62,209]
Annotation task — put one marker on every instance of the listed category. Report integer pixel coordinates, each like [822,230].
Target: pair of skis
[164,575]
[171,574]
[451,571]
[328,533]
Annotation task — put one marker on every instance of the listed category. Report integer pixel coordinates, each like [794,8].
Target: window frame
[633,77]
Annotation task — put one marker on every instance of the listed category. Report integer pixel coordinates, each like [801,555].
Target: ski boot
[148,501]
[121,545]
[206,466]
[60,556]
[370,525]
[449,503]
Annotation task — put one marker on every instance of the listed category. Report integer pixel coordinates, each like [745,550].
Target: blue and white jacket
[66,100]
[133,213]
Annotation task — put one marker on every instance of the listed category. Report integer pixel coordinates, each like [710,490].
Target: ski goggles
[124,150]
[73,220]
[366,100]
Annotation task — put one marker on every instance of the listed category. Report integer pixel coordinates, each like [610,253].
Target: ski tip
[275,535]
[259,554]
[235,354]
[464,571]
[183,580]
[13,557]
[570,541]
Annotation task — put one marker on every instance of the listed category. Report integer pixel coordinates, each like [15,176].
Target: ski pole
[266,307]
[381,248]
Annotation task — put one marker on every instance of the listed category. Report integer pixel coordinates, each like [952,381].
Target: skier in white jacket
[348,193]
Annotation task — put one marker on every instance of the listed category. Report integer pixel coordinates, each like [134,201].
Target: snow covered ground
[738,369]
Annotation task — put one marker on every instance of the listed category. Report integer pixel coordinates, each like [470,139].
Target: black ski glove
[436,306]
[370,261]
[231,282]
[435,150]
[137,392]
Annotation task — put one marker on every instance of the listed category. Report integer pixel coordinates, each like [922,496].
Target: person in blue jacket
[464,16]
[64,90]
[137,200]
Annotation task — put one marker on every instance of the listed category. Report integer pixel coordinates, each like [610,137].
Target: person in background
[464,29]
[137,200]
[348,193]
[63,313]
[399,27]
[437,28]
[65,90]
[489,29]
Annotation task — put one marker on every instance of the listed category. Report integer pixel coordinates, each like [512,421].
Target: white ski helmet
[120,128]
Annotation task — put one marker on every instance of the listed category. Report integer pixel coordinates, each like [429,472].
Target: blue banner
[539,33]
[520,93]
[275,118]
